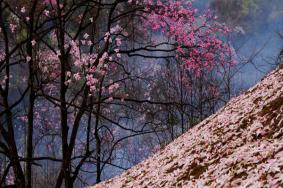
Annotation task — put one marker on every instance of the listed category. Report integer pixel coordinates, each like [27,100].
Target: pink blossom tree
[57,64]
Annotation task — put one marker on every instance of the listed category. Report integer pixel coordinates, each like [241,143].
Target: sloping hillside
[239,146]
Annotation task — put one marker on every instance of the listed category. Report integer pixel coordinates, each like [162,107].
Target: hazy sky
[260,34]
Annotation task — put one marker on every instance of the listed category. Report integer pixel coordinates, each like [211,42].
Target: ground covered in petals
[239,146]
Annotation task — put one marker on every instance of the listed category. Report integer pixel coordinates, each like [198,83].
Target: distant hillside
[239,146]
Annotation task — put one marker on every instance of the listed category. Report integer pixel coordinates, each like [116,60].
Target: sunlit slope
[240,145]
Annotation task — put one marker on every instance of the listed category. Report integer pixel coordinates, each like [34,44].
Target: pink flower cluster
[49,64]
[196,37]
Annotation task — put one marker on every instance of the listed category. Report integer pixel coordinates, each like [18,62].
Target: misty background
[258,24]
